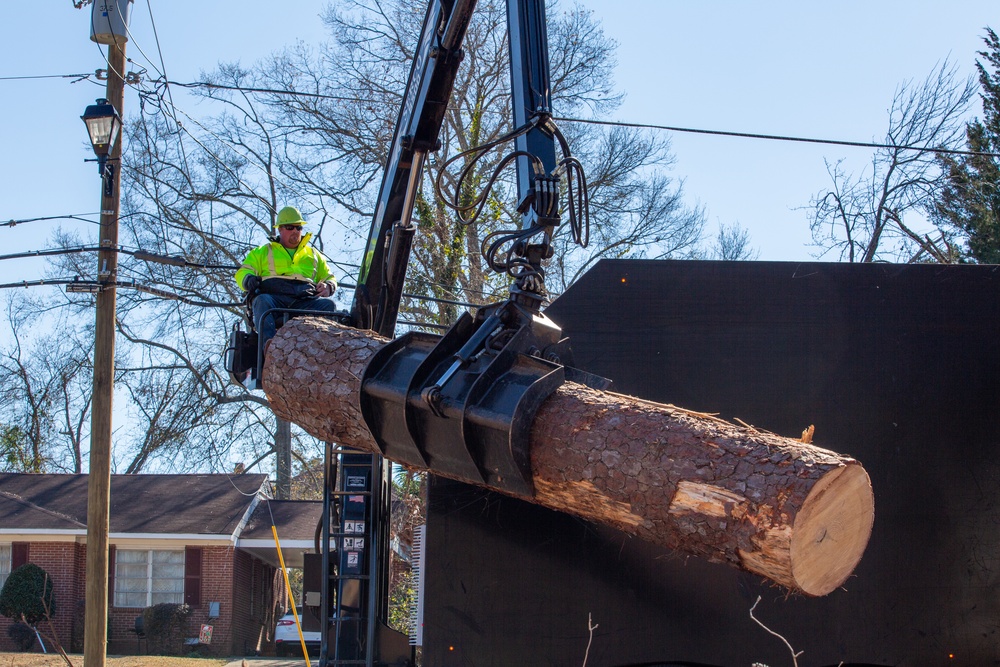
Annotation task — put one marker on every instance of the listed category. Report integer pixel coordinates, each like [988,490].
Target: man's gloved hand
[251,283]
[324,289]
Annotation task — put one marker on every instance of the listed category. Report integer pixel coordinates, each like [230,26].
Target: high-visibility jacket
[273,260]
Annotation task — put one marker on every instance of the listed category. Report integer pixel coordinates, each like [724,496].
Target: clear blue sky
[810,69]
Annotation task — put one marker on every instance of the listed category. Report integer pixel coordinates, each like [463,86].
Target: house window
[4,563]
[147,577]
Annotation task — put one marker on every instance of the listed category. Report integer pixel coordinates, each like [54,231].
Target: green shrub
[165,625]
[27,595]
[22,635]
[76,630]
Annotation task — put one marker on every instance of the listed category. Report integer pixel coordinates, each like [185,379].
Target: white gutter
[39,535]
[269,544]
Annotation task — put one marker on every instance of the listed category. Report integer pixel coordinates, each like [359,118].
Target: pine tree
[970,201]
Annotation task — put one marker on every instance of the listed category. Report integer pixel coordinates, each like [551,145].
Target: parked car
[286,636]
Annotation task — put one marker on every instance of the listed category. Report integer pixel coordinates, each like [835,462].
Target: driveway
[272,662]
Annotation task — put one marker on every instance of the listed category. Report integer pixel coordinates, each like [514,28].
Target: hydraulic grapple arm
[461,404]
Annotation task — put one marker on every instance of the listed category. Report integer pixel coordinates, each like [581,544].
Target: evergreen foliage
[970,200]
[22,635]
[165,626]
[27,595]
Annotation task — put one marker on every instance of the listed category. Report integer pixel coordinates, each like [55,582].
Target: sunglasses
[289,228]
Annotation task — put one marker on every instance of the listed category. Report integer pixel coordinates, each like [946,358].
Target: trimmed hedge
[22,635]
[165,625]
[27,594]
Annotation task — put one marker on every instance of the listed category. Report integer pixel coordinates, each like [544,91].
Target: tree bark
[794,513]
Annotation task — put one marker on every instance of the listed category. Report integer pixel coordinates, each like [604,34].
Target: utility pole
[113,16]
[283,458]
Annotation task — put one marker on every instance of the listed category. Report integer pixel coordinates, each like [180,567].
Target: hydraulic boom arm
[460,404]
[428,91]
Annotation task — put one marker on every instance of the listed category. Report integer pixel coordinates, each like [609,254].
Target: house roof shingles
[297,519]
[147,504]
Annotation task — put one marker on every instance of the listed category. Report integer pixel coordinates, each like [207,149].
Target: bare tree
[183,202]
[45,387]
[636,209]
[732,243]
[311,127]
[874,216]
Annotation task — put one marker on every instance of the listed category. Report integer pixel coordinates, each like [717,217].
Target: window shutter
[111,575]
[192,576]
[18,555]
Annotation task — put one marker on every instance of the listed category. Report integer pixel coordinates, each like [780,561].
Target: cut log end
[832,529]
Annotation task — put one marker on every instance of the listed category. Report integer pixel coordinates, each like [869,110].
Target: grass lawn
[53,660]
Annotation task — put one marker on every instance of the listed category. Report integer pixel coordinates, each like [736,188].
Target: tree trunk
[796,514]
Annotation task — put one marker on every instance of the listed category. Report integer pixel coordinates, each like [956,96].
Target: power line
[176,261]
[589,121]
[74,216]
[44,283]
[143,255]
[421,297]
[777,137]
[651,126]
[180,260]
[170,99]
[78,77]
[93,286]
[48,253]
[271,91]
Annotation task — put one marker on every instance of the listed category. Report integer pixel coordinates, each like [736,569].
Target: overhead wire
[73,216]
[175,260]
[479,201]
[143,255]
[652,126]
[170,99]
[44,282]
[183,130]
[421,280]
[779,137]
[568,119]
[78,77]
[248,160]
[272,91]
[134,42]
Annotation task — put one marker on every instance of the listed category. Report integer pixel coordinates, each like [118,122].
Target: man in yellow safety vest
[286,273]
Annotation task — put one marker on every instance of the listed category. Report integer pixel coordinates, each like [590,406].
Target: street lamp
[103,124]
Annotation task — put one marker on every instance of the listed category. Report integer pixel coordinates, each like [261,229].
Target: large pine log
[794,513]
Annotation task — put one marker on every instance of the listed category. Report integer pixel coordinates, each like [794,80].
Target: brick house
[204,540]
